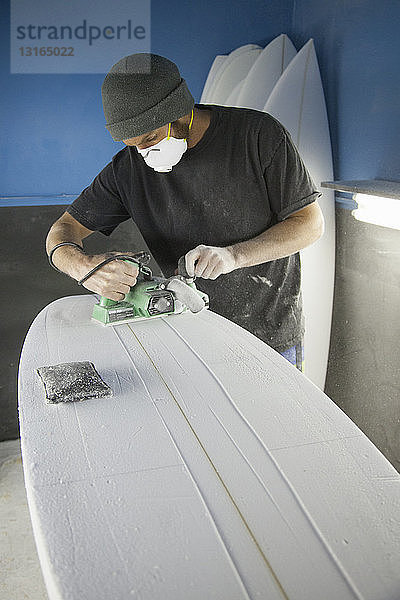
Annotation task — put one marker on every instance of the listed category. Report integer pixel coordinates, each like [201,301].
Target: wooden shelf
[373,187]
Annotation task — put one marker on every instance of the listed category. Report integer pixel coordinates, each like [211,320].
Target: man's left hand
[209,262]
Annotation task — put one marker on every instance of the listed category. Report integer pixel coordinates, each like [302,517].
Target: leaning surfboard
[233,96]
[265,72]
[297,101]
[234,68]
[216,469]
[217,63]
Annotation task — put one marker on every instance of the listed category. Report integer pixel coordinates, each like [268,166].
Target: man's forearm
[283,239]
[68,259]
[112,280]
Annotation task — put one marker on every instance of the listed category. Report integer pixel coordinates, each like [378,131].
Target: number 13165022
[46,51]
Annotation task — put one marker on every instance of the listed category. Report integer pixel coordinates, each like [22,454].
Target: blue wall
[358,48]
[53,139]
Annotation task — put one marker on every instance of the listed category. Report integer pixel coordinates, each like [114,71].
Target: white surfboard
[217,63]
[216,469]
[234,68]
[245,48]
[265,72]
[298,102]
[232,99]
[233,96]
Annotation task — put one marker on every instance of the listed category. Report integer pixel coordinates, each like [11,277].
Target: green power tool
[150,297]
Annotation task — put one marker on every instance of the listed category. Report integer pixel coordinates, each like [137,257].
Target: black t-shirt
[242,177]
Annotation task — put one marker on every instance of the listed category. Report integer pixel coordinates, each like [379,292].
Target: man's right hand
[112,280]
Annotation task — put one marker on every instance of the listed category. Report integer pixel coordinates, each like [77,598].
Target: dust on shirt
[243,176]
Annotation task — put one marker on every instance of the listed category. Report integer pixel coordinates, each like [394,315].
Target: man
[223,186]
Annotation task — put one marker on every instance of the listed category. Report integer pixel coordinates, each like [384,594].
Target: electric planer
[151,296]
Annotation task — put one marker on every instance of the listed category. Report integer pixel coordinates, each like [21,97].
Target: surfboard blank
[217,63]
[233,69]
[233,96]
[216,470]
[298,102]
[252,89]
[265,72]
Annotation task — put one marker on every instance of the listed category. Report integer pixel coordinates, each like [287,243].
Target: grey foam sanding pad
[72,382]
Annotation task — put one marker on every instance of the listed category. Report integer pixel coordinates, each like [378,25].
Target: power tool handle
[182,268]
[106,302]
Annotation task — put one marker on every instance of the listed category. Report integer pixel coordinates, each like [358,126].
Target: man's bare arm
[113,280]
[298,231]
[68,259]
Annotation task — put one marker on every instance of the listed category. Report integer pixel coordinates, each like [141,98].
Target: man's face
[148,139]
[179,130]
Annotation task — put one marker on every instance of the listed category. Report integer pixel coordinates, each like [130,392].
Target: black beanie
[142,92]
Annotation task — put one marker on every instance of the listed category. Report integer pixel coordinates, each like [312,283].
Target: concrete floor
[20,574]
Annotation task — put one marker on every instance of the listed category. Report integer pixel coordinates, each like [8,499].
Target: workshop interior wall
[54,142]
[358,46]
[54,139]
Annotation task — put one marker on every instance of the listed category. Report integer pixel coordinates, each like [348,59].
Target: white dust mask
[165,154]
